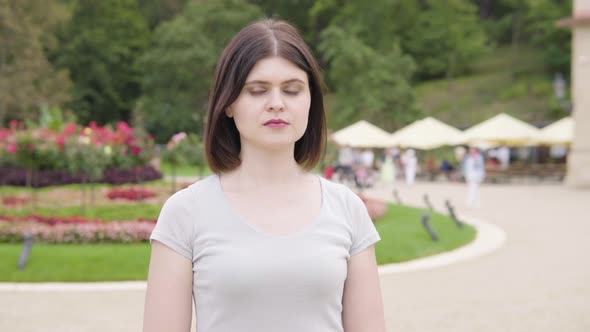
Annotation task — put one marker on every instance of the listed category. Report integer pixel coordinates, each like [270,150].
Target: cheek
[303,109]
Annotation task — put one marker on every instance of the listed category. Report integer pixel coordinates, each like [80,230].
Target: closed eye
[257,92]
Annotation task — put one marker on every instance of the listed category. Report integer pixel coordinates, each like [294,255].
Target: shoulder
[342,197]
[191,195]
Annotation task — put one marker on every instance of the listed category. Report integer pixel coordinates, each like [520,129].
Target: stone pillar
[578,166]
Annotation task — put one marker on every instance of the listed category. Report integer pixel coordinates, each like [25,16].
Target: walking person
[344,169]
[263,245]
[474,170]
[410,162]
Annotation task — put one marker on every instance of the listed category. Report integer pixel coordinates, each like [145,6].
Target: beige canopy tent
[425,134]
[362,135]
[558,133]
[502,129]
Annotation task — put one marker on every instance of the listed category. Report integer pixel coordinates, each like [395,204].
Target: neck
[264,168]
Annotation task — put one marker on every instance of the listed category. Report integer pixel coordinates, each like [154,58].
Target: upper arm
[362,306]
[168,301]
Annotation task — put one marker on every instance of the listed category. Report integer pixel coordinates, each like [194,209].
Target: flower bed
[49,221]
[76,229]
[73,230]
[13,176]
[131,194]
[12,201]
[69,153]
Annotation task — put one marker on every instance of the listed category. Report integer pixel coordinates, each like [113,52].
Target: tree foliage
[100,47]
[27,79]
[179,67]
[153,60]
[159,11]
[370,85]
[446,39]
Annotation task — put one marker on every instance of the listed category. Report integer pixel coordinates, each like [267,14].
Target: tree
[158,11]
[295,12]
[554,43]
[27,79]
[378,24]
[368,84]
[101,45]
[179,67]
[531,23]
[447,38]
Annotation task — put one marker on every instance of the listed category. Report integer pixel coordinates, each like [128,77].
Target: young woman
[263,244]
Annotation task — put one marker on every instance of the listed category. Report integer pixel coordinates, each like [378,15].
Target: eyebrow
[293,80]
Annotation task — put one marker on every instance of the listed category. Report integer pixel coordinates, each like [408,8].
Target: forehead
[276,69]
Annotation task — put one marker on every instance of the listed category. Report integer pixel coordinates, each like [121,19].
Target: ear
[229,113]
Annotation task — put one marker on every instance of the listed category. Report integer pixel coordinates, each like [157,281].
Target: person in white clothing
[264,244]
[474,171]
[503,155]
[387,171]
[410,162]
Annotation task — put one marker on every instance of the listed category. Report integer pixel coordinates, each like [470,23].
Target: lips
[275,122]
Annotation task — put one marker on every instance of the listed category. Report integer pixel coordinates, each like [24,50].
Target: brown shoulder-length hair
[256,41]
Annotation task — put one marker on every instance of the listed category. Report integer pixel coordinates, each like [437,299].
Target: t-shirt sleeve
[364,233]
[174,227]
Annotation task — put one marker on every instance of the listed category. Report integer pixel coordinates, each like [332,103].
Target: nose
[275,101]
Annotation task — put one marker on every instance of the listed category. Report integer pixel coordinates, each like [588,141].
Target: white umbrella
[502,129]
[425,134]
[362,135]
[559,132]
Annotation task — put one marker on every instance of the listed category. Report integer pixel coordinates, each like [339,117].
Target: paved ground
[538,281]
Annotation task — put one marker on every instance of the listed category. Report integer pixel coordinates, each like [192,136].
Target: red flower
[130,194]
[13,201]
[70,129]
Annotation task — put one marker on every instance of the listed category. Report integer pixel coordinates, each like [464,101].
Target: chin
[276,144]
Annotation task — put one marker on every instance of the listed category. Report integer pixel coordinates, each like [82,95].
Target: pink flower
[124,128]
[13,124]
[60,140]
[11,148]
[177,138]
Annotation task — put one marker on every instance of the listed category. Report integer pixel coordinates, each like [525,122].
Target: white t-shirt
[248,281]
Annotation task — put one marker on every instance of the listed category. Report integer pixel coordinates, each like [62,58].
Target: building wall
[579,158]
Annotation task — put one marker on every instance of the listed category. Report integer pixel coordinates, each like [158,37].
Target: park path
[538,281]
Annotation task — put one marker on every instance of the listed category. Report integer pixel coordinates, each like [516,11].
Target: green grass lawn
[497,83]
[64,262]
[403,238]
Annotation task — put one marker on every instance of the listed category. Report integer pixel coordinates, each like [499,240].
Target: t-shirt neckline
[308,226]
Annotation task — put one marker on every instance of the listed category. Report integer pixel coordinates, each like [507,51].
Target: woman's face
[272,108]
